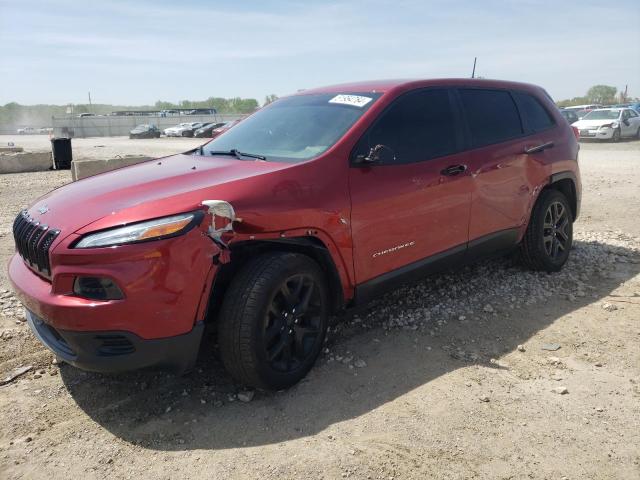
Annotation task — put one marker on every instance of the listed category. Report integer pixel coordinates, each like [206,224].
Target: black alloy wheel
[549,236]
[292,326]
[556,237]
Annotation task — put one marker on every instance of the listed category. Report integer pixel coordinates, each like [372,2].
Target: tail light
[576,132]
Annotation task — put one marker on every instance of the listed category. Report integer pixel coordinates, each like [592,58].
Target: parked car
[588,107]
[26,131]
[317,202]
[569,115]
[191,130]
[634,106]
[182,130]
[145,131]
[582,110]
[205,130]
[609,124]
[223,128]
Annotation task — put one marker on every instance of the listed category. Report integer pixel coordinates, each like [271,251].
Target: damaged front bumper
[117,351]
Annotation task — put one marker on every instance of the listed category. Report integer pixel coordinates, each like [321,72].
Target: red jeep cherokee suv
[317,202]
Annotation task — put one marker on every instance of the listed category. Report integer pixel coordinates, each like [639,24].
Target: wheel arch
[565,182]
[244,251]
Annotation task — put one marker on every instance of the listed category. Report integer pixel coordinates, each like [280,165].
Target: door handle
[453,170]
[538,148]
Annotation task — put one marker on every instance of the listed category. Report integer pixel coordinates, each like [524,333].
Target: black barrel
[61,149]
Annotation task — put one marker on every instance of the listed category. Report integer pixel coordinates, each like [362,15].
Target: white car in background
[182,130]
[609,124]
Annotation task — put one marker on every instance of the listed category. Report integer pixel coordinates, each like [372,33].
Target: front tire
[616,135]
[273,320]
[549,236]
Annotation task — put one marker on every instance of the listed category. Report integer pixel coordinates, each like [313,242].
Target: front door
[630,123]
[413,201]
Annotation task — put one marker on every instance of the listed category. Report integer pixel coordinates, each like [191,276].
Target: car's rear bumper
[116,351]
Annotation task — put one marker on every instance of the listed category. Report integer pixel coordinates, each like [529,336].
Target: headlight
[614,125]
[156,229]
[608,125]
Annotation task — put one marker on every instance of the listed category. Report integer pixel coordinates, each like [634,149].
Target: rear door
[504,176]
[408,206]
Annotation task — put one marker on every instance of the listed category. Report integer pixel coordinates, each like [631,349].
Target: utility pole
[90,101]
[473,73]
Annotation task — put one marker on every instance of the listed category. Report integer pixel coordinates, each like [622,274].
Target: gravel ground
[487,372]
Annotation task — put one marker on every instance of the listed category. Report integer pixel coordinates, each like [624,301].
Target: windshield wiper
[235,153]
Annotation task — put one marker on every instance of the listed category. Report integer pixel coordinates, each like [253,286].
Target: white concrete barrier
[11,149]
[20,162]
[87,168]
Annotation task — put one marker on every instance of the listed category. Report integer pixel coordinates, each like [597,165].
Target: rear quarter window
[535,117]
[491,115]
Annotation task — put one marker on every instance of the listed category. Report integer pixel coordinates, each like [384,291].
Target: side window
[632,113]
[625,114]
[491,115]
[535,115]
[418,126]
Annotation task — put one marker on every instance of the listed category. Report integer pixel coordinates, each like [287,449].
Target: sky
[138,51]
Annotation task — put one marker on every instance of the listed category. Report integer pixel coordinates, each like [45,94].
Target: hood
[586,123]
[147,190]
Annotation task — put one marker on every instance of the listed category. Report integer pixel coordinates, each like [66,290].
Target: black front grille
[33,241]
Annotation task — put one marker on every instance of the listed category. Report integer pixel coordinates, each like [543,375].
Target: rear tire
[549,236]
[273,320]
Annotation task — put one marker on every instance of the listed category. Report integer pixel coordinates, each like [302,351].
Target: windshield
[295,128]
[141,127]
[602,115]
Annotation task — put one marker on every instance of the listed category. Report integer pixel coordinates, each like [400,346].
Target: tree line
[598,94]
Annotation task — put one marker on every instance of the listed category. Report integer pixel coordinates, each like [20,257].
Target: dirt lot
[456,377]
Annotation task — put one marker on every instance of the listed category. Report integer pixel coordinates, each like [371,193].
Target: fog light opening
[97,288]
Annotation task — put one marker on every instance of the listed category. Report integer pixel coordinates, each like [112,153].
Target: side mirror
[377,154]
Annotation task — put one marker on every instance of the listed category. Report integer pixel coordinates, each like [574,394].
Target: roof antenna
[473,73]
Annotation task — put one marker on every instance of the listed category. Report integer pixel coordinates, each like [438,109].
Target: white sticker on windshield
[353,100]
